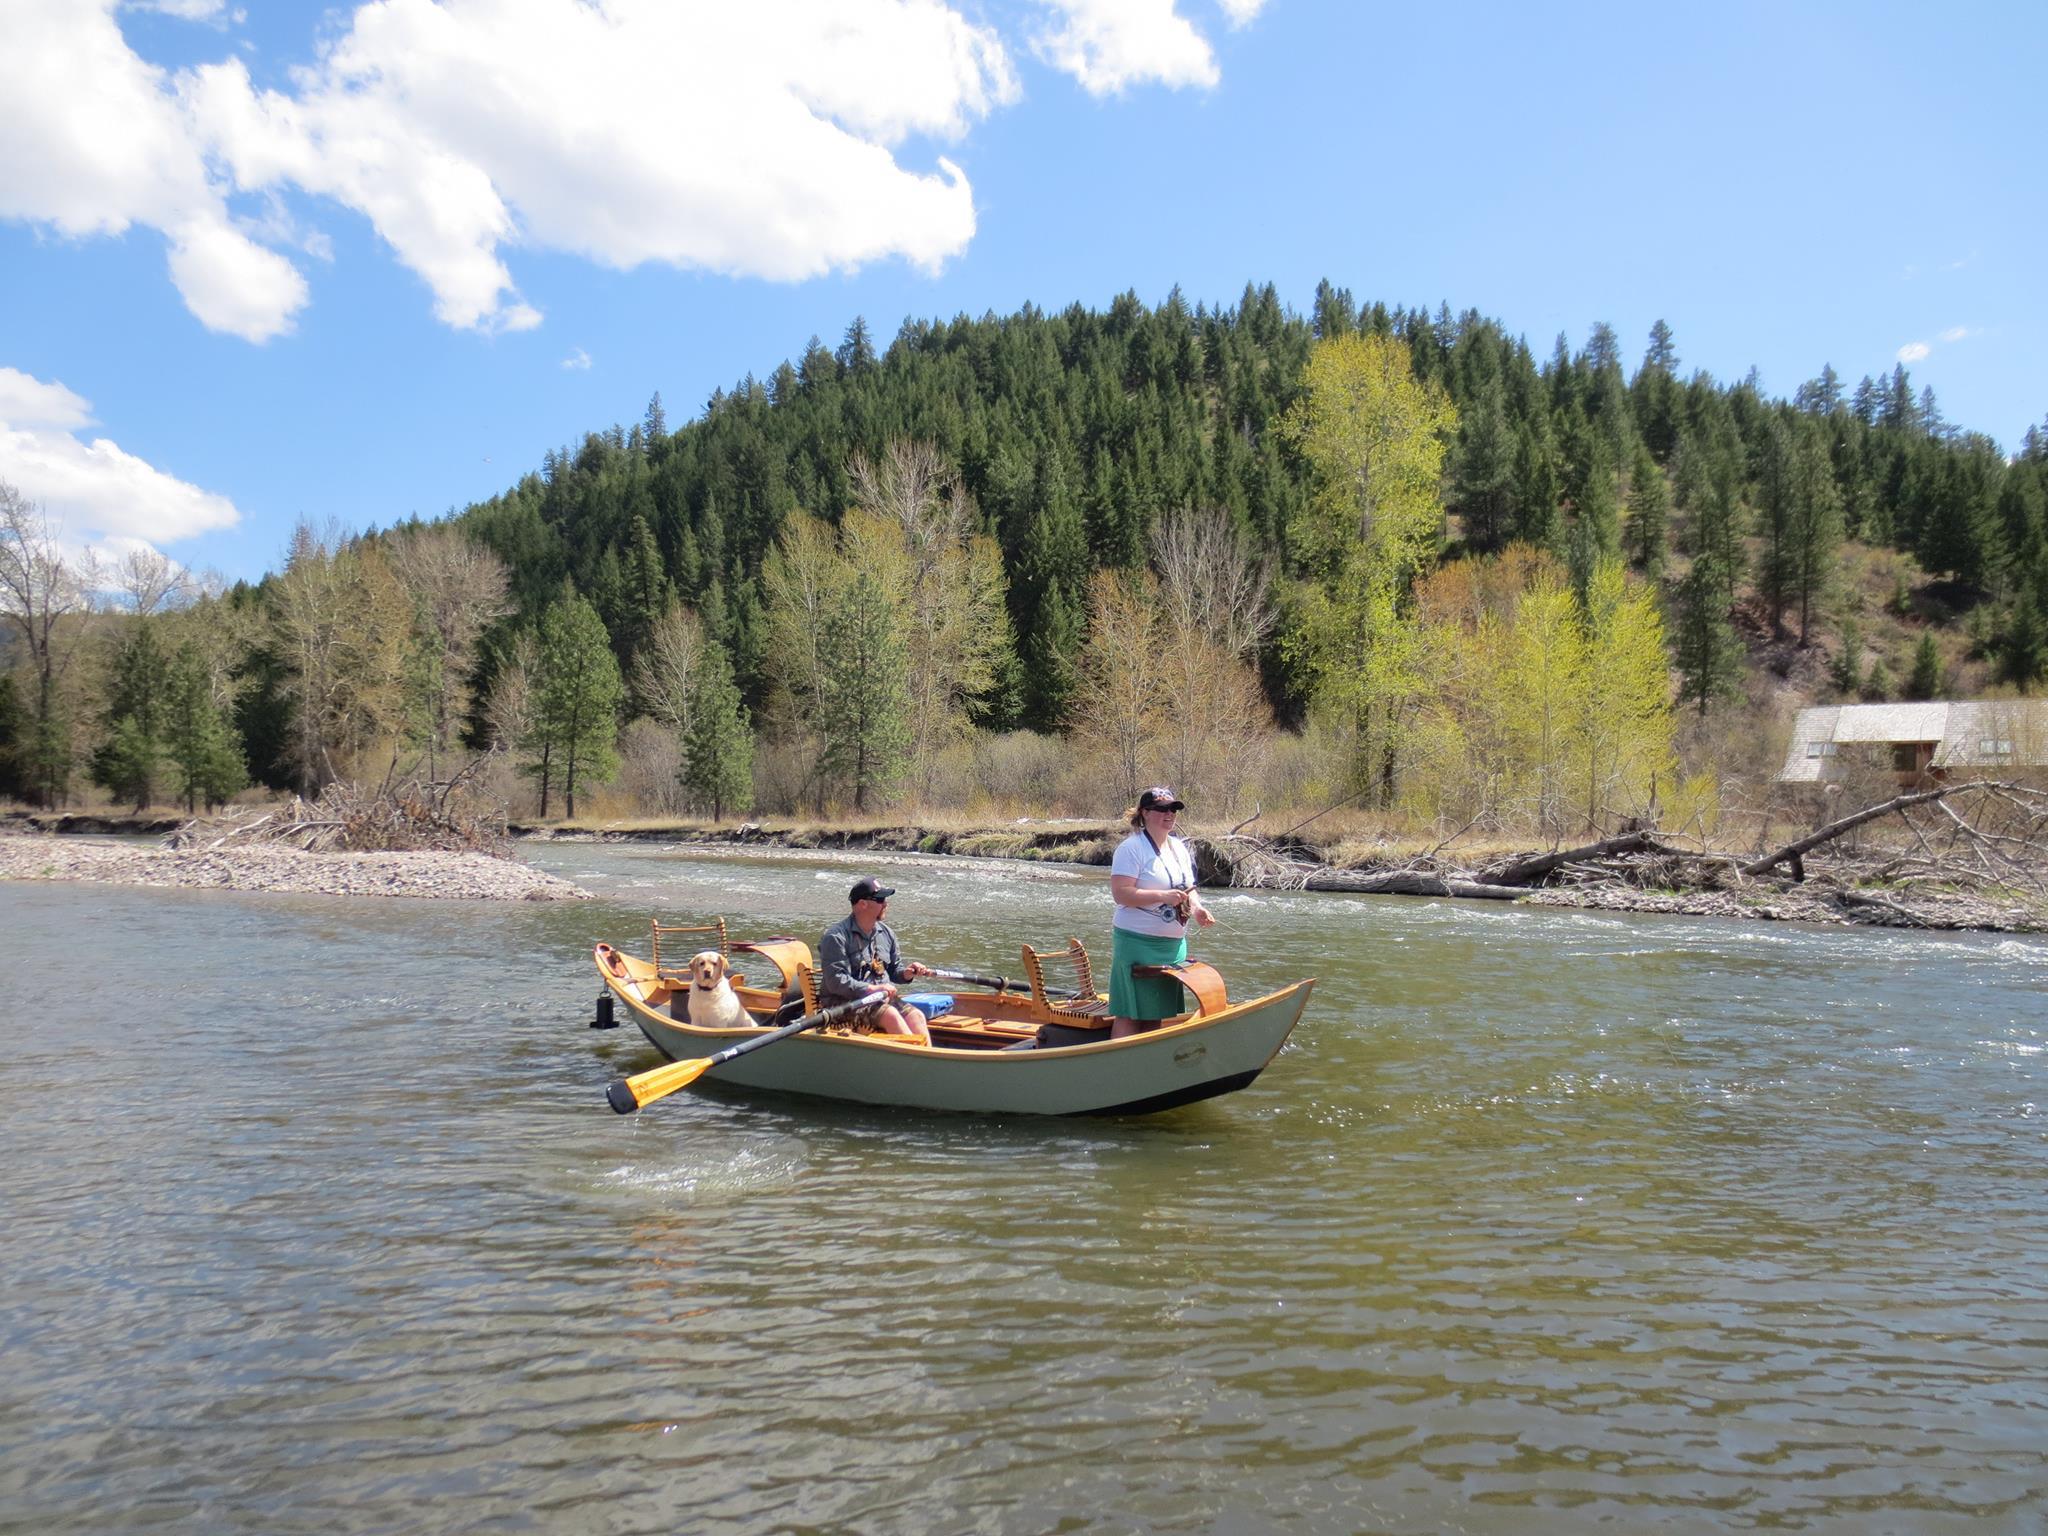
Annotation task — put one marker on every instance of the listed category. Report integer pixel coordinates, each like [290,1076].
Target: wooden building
[1918,743]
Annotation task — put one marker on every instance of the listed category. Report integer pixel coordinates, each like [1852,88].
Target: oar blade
[626,1094]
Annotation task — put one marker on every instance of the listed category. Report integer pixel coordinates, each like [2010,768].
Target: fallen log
[1409,882]
[1791,851]
[1528,871]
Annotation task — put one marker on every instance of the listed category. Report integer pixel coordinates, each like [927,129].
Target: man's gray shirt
[847,959]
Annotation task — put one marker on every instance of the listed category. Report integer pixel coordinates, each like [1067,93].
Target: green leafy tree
[862,702]
[576,702]
[1376,440]
[718,742]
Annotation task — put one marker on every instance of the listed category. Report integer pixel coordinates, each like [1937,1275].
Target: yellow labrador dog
[713,1003]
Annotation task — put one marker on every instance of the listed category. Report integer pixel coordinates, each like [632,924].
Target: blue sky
[352,263]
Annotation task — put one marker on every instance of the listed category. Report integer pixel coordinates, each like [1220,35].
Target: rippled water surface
[1545,1221]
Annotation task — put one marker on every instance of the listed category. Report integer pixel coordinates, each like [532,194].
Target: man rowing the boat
[860,955]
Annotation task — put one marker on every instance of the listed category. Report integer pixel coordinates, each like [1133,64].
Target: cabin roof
[1965,733]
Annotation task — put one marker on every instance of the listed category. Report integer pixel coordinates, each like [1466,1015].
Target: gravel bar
[433,876]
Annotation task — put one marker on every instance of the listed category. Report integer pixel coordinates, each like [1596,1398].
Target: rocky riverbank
[1829,896]
[433,876]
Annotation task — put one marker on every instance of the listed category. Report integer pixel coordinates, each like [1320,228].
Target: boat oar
[626,1094]
[1000,983]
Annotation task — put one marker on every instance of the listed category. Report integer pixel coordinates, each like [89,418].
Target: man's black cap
[868,888]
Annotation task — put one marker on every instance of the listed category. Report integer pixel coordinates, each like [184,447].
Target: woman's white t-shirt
[1171,866]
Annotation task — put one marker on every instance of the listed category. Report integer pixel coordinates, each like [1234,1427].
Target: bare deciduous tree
[665,671]
[341,621]
[1117,704]
[46,597]
[151,581]
[917,531]
[458,589]
[1211,581]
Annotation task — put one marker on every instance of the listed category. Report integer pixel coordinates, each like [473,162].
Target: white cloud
[29,402]
[93,491]
[1957,333]
[578,361]
[1914,351]
[1242,12]
[93,141]
[184,10]
[1109,45]
[755,141]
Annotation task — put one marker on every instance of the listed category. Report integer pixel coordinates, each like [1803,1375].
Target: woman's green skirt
[1144,997]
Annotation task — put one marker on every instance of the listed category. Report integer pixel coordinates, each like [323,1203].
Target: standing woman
[1152,880]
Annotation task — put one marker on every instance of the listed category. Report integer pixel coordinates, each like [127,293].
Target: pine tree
[1649,504]
[199,737]
[576,701]
[718,746]
[2023,651]
[12,720]
[862,702]
[131,758]
[1483,476]
[1925,680]
[1706,647]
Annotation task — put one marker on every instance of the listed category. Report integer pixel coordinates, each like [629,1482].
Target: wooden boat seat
[1200,978]
[1087,1009]
[680,949]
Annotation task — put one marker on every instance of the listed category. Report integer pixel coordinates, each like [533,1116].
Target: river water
[316,1221]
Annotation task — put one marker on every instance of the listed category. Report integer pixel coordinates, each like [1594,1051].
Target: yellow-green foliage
[1533,711]
[1376,439]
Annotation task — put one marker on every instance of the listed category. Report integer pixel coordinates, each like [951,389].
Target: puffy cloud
[1242,12]
[29,402]
[1109,45]
[93,491]
[94,140]
[1914,351]
[755,141]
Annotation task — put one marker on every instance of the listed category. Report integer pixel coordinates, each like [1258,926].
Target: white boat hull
[1180,1063]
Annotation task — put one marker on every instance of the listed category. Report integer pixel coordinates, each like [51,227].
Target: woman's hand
[1193,911]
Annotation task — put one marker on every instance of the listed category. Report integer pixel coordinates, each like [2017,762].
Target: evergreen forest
[1374,555]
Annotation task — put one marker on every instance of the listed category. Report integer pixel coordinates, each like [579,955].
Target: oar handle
[1000,983]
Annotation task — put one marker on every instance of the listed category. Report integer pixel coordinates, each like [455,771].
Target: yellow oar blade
[627,1094]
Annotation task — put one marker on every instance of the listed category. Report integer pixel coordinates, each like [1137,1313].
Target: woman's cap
[1160,798]
[870,889]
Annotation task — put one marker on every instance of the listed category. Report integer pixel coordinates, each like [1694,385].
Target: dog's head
[707,967]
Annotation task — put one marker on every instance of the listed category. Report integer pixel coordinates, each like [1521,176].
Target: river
[316,1221]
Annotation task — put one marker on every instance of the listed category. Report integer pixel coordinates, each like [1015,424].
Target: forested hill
[1076,432]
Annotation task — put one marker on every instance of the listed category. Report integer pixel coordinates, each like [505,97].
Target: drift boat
[1006,1048]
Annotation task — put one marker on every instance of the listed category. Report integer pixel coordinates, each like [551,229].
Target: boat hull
[1180,1063]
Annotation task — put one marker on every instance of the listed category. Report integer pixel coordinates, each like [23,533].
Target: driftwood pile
[1969,855]
[402,815]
